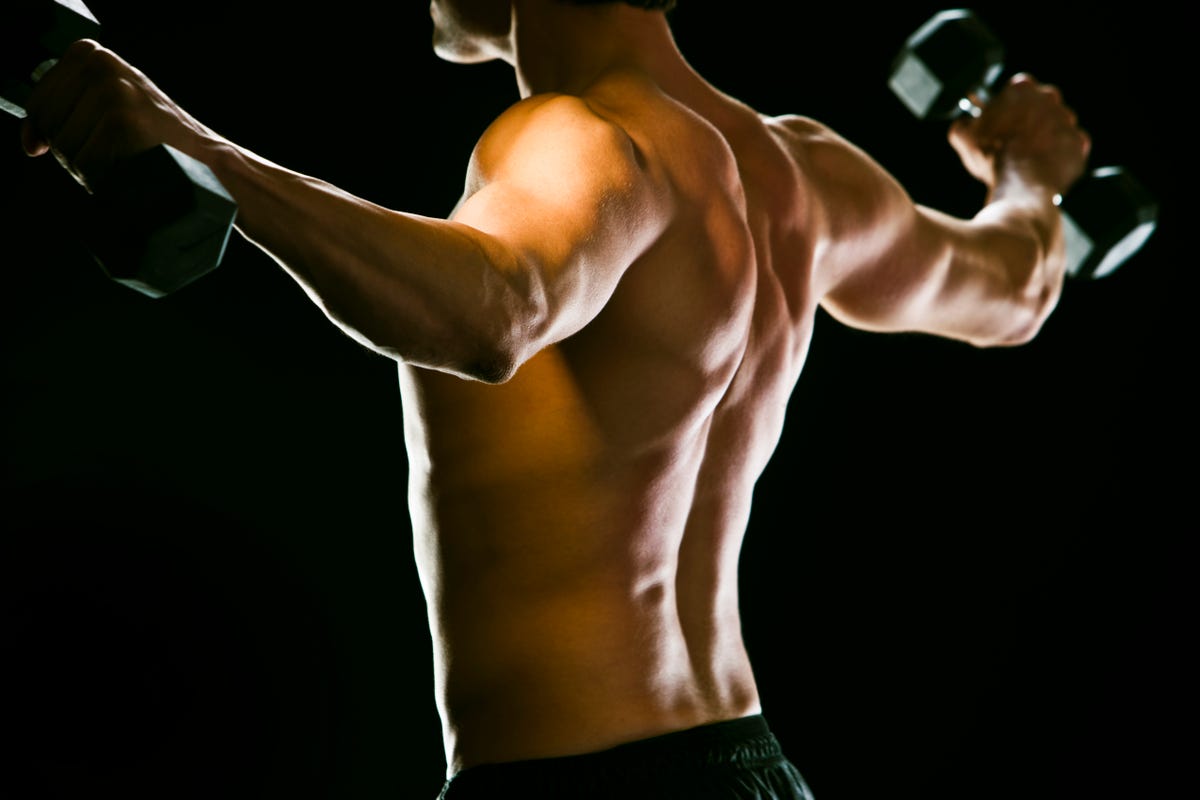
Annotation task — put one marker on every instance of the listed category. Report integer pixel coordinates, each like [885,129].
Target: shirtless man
[596,351]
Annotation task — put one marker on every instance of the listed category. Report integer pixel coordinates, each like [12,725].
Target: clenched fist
[1025,128]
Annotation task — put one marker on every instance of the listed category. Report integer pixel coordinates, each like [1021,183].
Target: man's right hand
[1026,133]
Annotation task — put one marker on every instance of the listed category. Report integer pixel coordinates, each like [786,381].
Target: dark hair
[660,5]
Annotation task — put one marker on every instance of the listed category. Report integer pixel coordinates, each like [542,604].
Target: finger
[58,90]
[33,144]
[962,131]
[1070,116]
[78,124]
[50,102]
[1050,91]
[961,126]
[994,125]
[1018,93]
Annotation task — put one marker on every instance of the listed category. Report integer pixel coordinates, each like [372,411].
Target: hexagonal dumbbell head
[160,221]
[950,58]
[32,33]
[1107,217]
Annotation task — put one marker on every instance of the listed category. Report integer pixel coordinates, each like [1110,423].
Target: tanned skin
[597,347]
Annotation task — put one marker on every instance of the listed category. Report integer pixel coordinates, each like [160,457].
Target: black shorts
[723,761]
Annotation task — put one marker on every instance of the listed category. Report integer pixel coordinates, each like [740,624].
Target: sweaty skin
[596,349]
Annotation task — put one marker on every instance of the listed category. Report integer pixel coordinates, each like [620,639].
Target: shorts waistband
[740,743]
[743,741]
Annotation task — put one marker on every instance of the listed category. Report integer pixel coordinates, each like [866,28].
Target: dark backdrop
[965,576]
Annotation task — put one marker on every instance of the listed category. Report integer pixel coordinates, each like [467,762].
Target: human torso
[577,528]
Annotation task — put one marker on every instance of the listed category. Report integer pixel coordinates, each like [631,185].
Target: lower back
[531,672]
[567,613]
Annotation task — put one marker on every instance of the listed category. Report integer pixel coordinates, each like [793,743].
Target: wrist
[1020,182]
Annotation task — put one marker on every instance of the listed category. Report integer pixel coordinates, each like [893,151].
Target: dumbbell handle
[15,108]
[974,104]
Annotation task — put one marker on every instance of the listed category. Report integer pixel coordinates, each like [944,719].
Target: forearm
[991,280]
[1021,227]
[988,280]
[1027,148]
[426,291]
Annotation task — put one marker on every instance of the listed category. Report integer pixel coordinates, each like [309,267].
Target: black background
[966,574]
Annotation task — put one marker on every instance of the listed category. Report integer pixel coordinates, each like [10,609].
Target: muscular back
[578,526]
[630,279]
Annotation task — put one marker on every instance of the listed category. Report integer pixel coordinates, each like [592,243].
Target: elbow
[1020,334]
[500,349]
[1036,287]
[481,328]
[478,347]
[1032,301]
[485,363]
[495,366]
[1023,321]
[471,355]
[1033,317]
[512,324]
[1038,294]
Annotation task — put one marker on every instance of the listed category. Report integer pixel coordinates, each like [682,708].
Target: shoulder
[804,132]
[551,132]
[794,125]
[854,189]
[816,145]
[563,153]
[549,113]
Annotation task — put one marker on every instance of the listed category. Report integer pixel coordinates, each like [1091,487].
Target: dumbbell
[161,219]
[951,66]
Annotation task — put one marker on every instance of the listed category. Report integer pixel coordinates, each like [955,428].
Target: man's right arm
[885,263]
[558,206]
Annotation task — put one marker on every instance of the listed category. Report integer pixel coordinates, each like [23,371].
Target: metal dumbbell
[951,66]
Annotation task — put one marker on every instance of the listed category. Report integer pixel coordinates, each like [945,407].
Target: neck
[559,47]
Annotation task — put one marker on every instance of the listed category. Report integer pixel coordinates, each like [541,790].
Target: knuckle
[90,62]
[82,48]
[103,65]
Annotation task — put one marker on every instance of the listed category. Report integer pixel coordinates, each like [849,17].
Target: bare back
[597,348]
[578,527]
